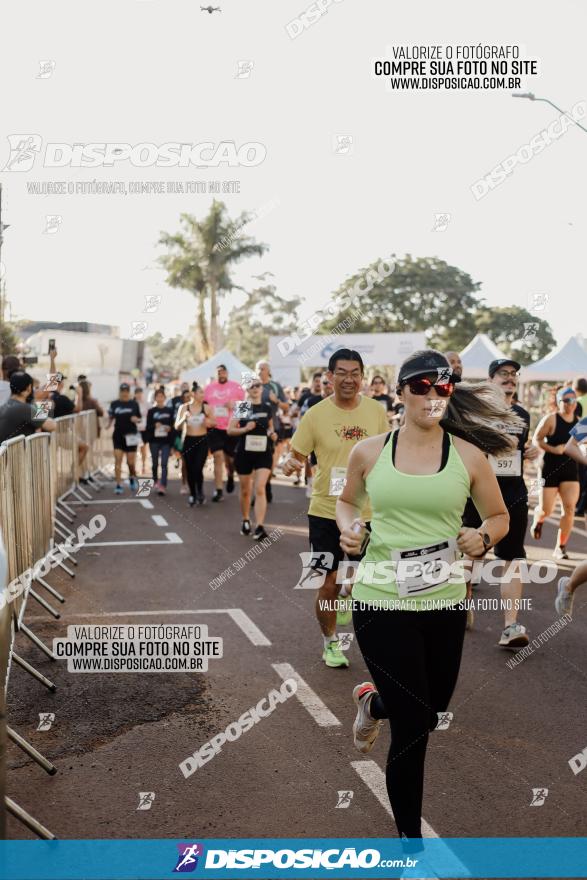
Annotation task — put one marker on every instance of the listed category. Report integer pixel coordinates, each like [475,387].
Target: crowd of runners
[409,486]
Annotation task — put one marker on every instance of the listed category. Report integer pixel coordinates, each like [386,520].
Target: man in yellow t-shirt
[330,429]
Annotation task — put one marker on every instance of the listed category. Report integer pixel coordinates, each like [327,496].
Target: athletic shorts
[325,544]
[557,469]
[285,433]
[219,439]
[145,436]
[119,442]
[247,462]
[313,459]
[511,545]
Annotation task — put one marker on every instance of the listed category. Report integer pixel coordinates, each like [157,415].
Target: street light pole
[531,97]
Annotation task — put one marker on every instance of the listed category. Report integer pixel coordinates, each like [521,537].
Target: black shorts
[119,442]
[145,436]
[247,462]
[325,544]
[285,433]
[218,439]
[511,545]
[313,459]
[557,469]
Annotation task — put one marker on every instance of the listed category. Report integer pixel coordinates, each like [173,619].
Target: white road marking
[374,778]
[242,620]
[310,700]
[171,538]
[142,501]
[159,520]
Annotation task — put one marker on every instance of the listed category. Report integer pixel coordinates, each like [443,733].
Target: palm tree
[200,258]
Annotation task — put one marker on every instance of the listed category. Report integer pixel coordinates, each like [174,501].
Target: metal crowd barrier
[39,475]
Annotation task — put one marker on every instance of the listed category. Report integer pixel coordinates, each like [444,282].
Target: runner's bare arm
[487,498]
[352,499]
[181,416]
[544,428]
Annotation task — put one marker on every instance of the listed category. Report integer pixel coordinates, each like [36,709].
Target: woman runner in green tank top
[408,615]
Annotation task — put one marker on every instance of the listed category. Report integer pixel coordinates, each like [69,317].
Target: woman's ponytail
[480,414]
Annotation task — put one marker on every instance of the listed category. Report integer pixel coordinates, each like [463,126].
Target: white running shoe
[564,599]
[365,728]
[514,636]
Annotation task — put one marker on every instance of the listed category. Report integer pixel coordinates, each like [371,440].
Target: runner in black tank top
[559,472]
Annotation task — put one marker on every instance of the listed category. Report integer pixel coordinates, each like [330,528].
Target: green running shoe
[333,655]
[344,617]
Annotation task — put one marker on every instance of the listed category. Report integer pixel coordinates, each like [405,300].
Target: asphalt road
[115,735]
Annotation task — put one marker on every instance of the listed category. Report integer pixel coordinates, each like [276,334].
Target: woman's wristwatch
[486,544]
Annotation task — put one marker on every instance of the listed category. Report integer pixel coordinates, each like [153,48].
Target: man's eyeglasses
[421,387]
[342,374]
[508,374]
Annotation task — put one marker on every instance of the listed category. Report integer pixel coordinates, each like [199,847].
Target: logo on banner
[187,860]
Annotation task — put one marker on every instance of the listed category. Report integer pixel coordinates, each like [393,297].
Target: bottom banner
[367,858]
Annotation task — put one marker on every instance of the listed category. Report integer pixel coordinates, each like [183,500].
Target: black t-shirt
[260,413]
[17,418]
[303,395]
[122,411]
[62,405]
[386,399]
[311,400]
[515,485]
[160,415]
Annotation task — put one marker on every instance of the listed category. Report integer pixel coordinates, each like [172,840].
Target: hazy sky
[137,71]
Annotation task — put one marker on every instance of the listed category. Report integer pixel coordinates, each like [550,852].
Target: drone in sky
[210,9]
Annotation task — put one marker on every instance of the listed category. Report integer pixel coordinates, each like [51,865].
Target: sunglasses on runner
[422,386]
[256,385]
[569,399]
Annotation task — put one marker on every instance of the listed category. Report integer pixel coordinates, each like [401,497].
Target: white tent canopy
[477,356]
[566,362]
[206,372]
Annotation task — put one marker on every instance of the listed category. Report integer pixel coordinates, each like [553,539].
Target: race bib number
[132,439]
[220,411]
[509,465]
[421,570]
[160,431]
[337,480]
[254,443]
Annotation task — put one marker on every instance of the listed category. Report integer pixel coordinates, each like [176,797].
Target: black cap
[427,362]
[19,382]
[125,386]
[494,366]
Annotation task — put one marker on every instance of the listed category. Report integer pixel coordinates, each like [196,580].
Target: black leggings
[414,659]
[195,453]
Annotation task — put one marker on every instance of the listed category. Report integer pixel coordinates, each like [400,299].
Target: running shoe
[246,527]
[191,501]
[229,484]
[297,480]
[268,492]
[118,490]
[200,499]
[536,530]
[184,490]
[514,636]
[333,655]
[160,489]
[133,484]
[217,496]
[260,534]
[365,728]
[564,598]
[560,552]
[345,615]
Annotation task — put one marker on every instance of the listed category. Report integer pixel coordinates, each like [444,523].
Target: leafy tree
[8,339]
[200,258]
[263,314]
[517,332]
[421,294]
[175,354]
